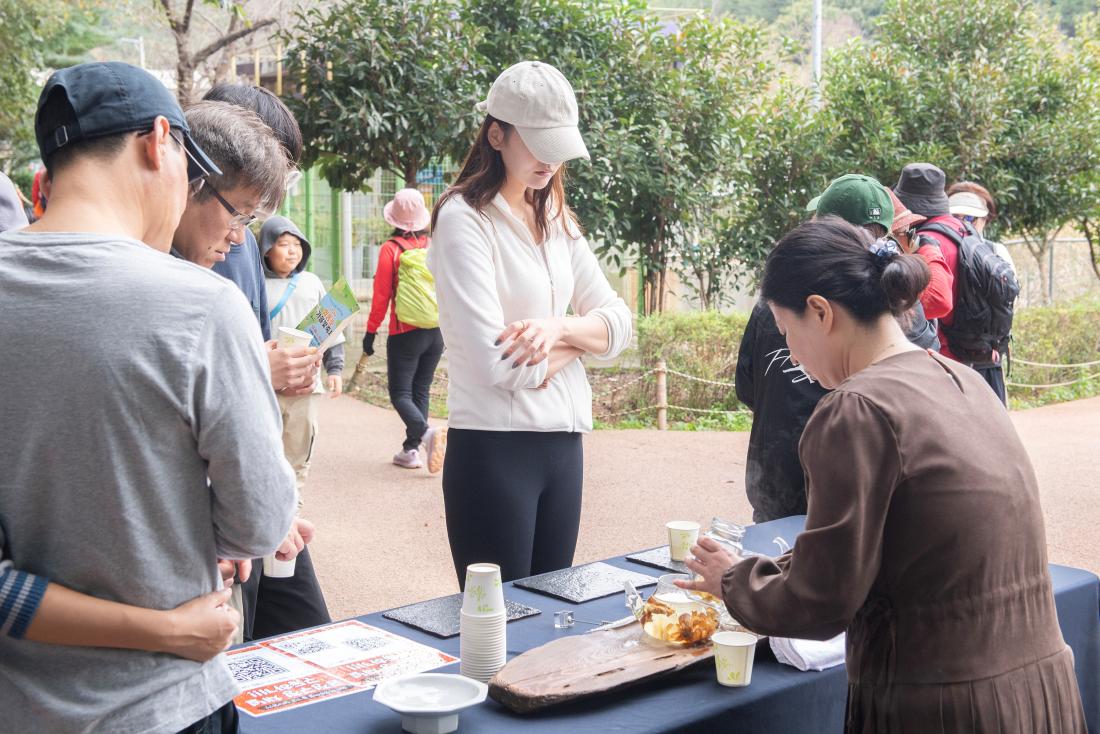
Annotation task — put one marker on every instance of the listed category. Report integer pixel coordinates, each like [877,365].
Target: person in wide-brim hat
[412,351]
[921,188]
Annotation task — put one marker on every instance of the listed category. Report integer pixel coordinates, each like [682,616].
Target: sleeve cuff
[20,603]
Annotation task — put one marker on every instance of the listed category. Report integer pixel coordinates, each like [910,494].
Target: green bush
[1063,334]
[705,344]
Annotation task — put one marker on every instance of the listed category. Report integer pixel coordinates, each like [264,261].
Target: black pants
[222,721]
[995,376]
[512,498]
[411,359]
[277,606]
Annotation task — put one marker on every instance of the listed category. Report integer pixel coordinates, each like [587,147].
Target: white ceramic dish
[429,702]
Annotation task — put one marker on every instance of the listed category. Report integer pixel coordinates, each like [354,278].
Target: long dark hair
[830,258]
[483,174]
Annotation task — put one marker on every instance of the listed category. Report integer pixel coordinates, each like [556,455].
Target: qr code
[366,644]
[305,647]
[254,668]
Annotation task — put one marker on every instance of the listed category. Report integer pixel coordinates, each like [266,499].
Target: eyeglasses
[239,221]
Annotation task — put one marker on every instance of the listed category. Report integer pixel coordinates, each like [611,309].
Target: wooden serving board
[586,665]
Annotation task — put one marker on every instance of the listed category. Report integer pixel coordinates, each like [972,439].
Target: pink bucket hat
[407,211]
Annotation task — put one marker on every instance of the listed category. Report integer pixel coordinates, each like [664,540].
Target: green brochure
[329,317]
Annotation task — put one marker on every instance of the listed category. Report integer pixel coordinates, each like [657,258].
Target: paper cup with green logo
[289,337]
[682,534]
[276,569]
[733,656]
[484,594]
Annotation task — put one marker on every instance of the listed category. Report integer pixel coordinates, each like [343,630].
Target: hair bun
[903,279]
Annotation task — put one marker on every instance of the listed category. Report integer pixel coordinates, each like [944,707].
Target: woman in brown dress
[924,537]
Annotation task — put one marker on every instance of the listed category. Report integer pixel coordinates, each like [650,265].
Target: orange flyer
[322,663]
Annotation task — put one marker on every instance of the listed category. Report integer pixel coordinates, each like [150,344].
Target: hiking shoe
[409,459]
[435,442]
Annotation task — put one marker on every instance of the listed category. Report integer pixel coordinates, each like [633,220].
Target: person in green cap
[778,391]
[864,202]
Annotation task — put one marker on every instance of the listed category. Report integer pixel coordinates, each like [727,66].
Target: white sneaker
[408,459]
[435,442]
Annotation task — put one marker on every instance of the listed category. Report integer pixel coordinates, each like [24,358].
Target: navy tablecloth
[780,698]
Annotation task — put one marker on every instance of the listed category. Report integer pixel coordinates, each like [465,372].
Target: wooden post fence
[662,395]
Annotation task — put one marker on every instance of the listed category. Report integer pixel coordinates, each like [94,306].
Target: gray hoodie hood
[272,229]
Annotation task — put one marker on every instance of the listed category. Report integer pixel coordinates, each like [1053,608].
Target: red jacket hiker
[385,284]
[938,298]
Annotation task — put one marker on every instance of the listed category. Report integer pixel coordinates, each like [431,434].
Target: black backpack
[985,291]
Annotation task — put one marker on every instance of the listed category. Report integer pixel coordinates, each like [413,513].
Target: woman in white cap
[972,202]
[412,352]
[510,262]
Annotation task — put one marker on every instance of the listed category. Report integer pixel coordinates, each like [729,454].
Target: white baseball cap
[539,102]
[967,204]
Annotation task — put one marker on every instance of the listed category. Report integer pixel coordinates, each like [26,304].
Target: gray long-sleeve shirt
[128,379]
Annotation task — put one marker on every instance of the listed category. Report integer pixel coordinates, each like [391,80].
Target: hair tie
[884,248]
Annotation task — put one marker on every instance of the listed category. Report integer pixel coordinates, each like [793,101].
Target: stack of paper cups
[484,619]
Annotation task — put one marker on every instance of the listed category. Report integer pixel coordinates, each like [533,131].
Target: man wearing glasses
[141,437]
[252,181]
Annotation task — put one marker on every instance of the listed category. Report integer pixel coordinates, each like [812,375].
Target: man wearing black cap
[141,438]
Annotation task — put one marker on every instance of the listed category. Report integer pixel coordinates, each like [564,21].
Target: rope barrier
[616,388]
[634,411]
[686,376]
[1017,360]
[709,410]
[1054,384]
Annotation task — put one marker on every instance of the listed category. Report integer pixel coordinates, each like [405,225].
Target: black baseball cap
[108,98]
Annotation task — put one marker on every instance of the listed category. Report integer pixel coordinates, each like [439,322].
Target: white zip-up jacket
[488,273]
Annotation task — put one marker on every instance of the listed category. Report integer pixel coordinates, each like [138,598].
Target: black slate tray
[584,583]
[659,558]
[440,617]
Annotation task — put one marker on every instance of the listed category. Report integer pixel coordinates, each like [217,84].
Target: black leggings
[512,498]
[411,359]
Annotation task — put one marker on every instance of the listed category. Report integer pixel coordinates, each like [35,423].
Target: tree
[385,84]
[989,91]
[660,112]
[180,15]
[1088,220]
[39,37]
[788,161]
[19,54]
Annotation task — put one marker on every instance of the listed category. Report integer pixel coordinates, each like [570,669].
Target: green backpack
[414,292]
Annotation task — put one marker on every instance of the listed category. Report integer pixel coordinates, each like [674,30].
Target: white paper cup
[484,594]
[733,656]
[289,337]
[682,534]
[483,645]
[276,569]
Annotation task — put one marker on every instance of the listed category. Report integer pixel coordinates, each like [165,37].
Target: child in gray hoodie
[292,292]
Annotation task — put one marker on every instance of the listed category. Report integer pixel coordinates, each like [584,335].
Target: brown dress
[924,540]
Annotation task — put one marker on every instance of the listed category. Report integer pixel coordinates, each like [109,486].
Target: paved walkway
[382,539]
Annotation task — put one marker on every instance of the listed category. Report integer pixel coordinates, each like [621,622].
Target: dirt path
[382,539]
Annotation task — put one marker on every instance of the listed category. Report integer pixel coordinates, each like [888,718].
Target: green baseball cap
[856,199]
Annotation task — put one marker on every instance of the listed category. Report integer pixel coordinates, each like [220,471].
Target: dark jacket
[919,330]
[782,397]
[242,266]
